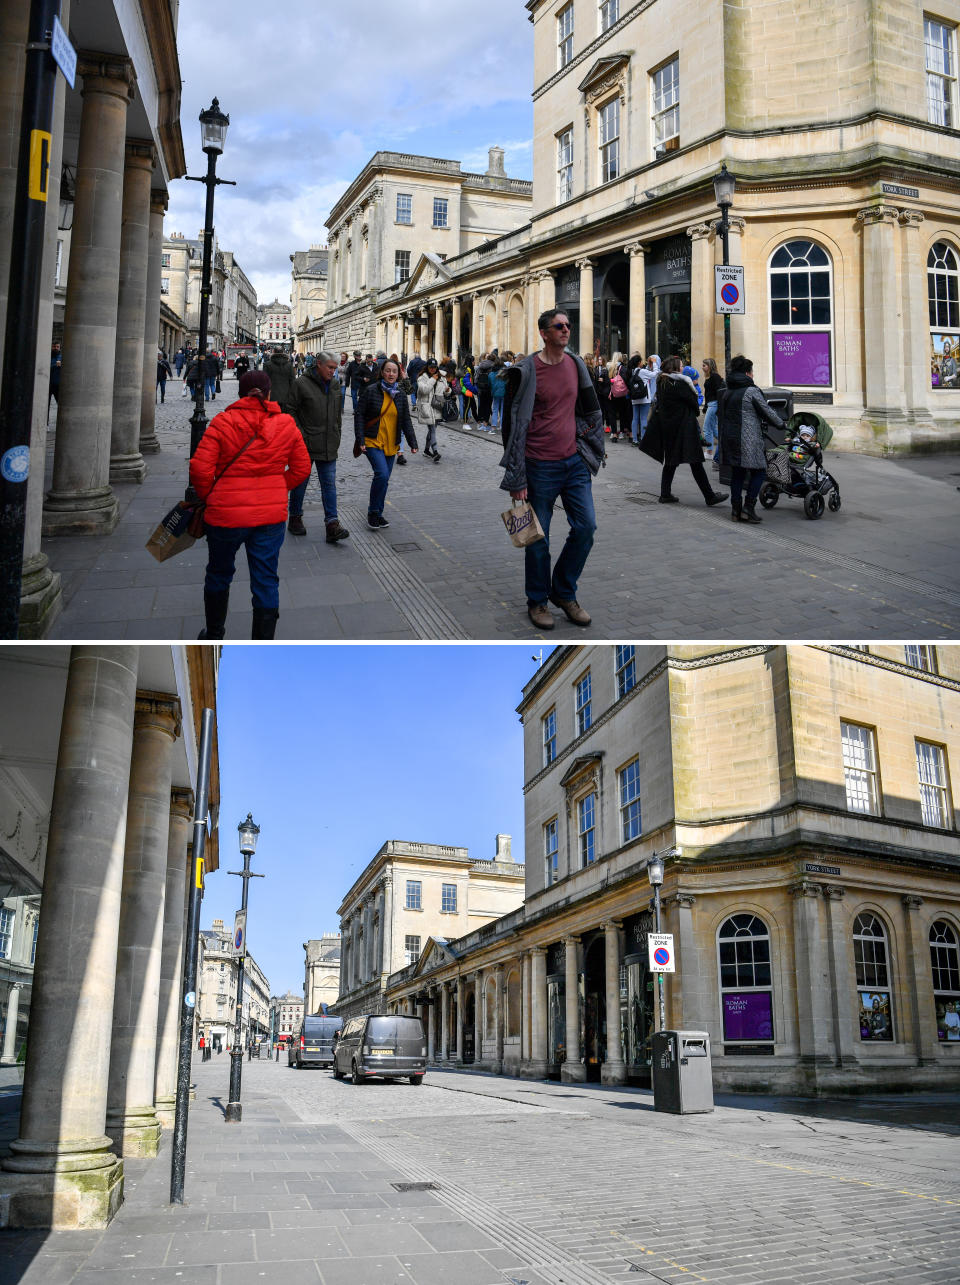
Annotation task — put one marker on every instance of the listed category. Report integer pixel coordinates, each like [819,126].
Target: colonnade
[101,1061]
[366,937]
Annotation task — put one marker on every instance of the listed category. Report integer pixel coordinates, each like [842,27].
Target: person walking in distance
[318,411]
[431,390]
[354,368]
[56,365]
[241,365]
[164,372]
[381,421]
[553,447]
[280,370]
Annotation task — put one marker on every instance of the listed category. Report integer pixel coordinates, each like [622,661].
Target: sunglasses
[559,325]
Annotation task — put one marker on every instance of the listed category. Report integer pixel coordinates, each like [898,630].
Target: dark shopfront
[611,311]
[667,274]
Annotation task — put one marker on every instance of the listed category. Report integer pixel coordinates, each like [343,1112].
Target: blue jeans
[641,413]
[710,423]
[569,481]
[209,387]
[263,553]
[354,393]
[327,473]
[496,416]
[382,466]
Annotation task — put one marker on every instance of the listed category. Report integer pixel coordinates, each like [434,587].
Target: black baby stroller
[795,466]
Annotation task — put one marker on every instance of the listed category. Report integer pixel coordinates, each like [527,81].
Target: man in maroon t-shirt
[555,465]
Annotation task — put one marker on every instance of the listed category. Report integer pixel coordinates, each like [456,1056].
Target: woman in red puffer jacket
[249,459]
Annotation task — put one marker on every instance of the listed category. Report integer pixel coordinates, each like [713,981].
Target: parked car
[391,1047]
[313,1046]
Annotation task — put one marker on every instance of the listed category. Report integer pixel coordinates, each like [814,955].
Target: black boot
[264,623]
[736,508]
[749,513]
[215,609]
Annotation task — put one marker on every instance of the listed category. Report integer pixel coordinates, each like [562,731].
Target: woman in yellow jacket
[381,422]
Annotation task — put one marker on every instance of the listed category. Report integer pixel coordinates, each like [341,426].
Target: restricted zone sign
[660,946]
[729,288]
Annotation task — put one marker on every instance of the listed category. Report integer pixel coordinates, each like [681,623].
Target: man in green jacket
[316,405]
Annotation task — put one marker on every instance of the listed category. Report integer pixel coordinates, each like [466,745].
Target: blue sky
[313,90]
[335,750]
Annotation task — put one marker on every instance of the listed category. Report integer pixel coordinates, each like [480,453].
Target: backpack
[483,380]
[639,391]
[618,385]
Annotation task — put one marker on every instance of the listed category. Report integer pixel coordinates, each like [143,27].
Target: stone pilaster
[476,327]
[459,1021]
[548,291]
[636,251]
[478,1024]
[431,1008]
[537,1065]
[842,982]
[525,1003]
[424,339]
[916,323]
[456,324]
[573,1068]
[689,986]
[149,442]
[444,1022]
[178,884]
[126,462]
[923,1032]
[9,1055]
[499,1000]
[614,1070]
[131,1115]
[812,974]
[586,305]
[61,1171]
[702,309]
[80,501]
[883,336]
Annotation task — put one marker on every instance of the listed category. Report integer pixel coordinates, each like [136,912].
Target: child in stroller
[795,466]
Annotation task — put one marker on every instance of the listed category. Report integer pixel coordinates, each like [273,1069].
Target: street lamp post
[213,133]
[248,831]
[724,186]
[655,875]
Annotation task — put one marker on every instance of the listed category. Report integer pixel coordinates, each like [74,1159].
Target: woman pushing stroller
[741,410]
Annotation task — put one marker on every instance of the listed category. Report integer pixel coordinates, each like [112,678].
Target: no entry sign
[729,288]
[660,946]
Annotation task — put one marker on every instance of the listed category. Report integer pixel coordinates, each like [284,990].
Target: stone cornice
[162,37]
[884,662]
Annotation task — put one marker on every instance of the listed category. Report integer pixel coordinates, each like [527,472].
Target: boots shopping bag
[173,534]
[522,525]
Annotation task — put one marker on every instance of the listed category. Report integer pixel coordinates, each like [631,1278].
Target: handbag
[184,525]
[523,526]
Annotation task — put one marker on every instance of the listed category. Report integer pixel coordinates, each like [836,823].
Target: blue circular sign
[661,956]
[729,294]
[15,464]
[238,938]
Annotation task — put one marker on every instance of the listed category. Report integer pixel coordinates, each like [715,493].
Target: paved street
[529,1182]
[885,566]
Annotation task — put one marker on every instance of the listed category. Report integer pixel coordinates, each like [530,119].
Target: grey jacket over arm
[518,412]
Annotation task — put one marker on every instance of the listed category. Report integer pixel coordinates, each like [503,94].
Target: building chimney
[218,925]
[495,169]
[503,840]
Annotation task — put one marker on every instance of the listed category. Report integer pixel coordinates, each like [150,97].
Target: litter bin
[682,1077]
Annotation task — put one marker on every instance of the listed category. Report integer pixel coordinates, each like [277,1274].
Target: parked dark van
[314,1044]
[391,1047]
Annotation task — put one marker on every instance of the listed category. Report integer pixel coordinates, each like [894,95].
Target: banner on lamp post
[240,934]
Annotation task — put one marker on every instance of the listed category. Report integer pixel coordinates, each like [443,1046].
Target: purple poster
[801,358]
[747,1015]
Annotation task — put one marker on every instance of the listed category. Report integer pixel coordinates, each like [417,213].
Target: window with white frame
[873,982]
[565,165]
[411,948]
[549,728]
[414,898]
[401,266]
[945,969]
[920,656]
[609,14]
[625,666]
[448,898]
[629,782]
[943,298]
[404,207]
[932,777]
[608,133]
[6,932]
[164,285]
[165,260]
[801,314]
[746,983]
[940,44]
[565,36]
[665,87]
[860,768]
[584,704]
[440,209]
[587,828]
[551,853]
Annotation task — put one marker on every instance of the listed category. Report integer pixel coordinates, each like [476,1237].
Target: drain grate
[415,1186]
[405,548]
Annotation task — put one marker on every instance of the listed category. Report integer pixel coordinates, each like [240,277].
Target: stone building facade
[116,143]
[286,1015]
[803,799]
[321,978]
[308,297]
[217,991]
[846,216]
[403,216]
[97,771]
[275,325]
[239,303]
[409,895]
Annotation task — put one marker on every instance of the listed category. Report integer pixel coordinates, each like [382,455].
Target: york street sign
[729,281]
[660,946]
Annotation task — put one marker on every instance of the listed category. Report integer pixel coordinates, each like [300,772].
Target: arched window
[801,315]
[943,301]
[945,967]
[746,995]
[873,979]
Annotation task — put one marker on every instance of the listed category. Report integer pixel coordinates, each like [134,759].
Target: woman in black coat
[673,433]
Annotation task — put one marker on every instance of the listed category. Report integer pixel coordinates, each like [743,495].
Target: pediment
[436,953]
[606,73]
[429,270]
[580,766]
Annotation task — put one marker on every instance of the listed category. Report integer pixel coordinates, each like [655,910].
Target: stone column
[61,1171]
[637,327]
[131,1115]
[478,1024]
[812,976]
[455,324]
[80,501]
[572,1069]
[525,1003]
[498,341]
[693,1004]
[614,1070]
[459,1021]
[916,324]
[409,335]
[919,980]
[386,958]
[842,983]
[548,291]
[444,1022]
[586,305]
[702,295]
[424,339]
[126,462]
[476,324]
[440,341]
[498,1018]
[538,1012]
[431,1008]
[9,1055]
[178,884]
[149,442]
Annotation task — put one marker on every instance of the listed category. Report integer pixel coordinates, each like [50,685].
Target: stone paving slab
[885,566]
